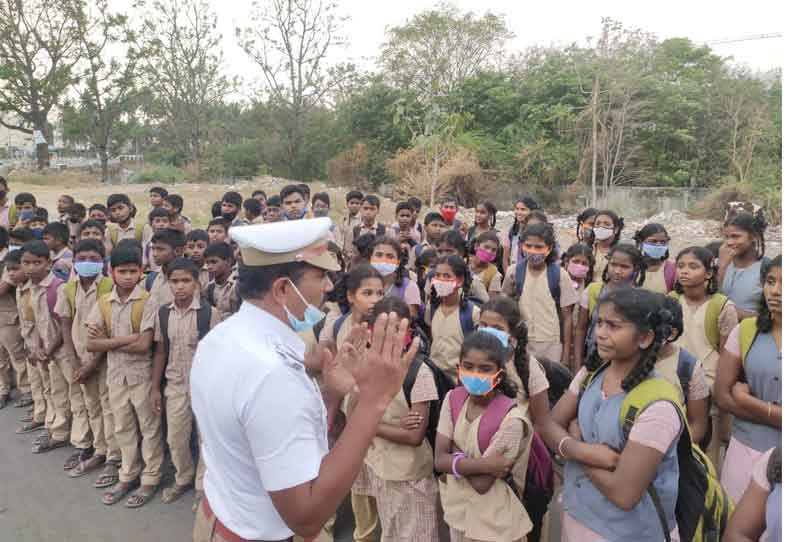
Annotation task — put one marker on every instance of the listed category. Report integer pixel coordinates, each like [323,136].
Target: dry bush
[459,174]
[714,204]
[349,168]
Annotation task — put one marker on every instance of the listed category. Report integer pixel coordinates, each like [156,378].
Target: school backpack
[593,293]
[380,230]
[52,299]
[114,233]
[711,321]
[559,377]
[703,507]
[203,318]
[13,214]
[488,276]
[553,279]
[466,314]
[235,301]
[107,313]
[490,420]
[748,331]
[105,286]
[443,384]
[670,274]
[151,276]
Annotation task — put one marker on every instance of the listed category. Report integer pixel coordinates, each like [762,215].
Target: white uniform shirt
[262,420]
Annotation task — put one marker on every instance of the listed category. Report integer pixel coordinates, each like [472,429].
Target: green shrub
[160,174]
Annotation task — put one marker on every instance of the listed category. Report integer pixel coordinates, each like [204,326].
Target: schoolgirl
[584,226]
[654,243]
[483,260]
[484,221]
[511,238]
[389,260]
[607,227]
[740,259]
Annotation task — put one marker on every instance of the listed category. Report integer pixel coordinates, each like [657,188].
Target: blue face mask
[476,383]
[38,233]
[655,252]
[503,336]
[311,316]
[88,270]
[26,215]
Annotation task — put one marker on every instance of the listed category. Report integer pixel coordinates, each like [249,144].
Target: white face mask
[385,268]
[444,287]
[602,233]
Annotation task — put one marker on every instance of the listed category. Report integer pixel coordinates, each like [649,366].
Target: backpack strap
[457,397]
[71,294]
[712,321]
[685,370]
[488,276]
[670,275]
[105,308]
[203,318]
[748,331]
[338,324]
[137,312]
[150,278]
[163,313]
[553,278]
[211,294]
[593,293]
[492,418]
[418,250]
[113,233]
[52,295]
[380,230]
[410,377]
[139,231]
[467,317]
[356,231]
[521,277]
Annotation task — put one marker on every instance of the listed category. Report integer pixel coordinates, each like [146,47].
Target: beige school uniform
[345,233]
[204,278]
[159,295]
[67,397]
[600,263]
[494,286]
[667,368]
[654,281]
[12,346]
[539,311]
[95,390]
[223,296]
[128,233]
[498,515]
[402,477]
[38,375]
[130,385]
[183,339]
[447,338]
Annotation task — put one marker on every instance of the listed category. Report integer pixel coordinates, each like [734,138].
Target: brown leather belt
[220,529]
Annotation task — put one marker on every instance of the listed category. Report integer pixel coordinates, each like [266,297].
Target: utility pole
[594,107]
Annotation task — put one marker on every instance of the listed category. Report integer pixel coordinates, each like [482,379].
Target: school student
[511,238]
[231,204]
[218,230]
[221,291]
[98,212]
[294,202]
[123,224]
[435,226]
[544,293]
[388,260]
[584,226]
[416,205]
[740,259]
[261,197]
[157,195]
[608,471]
[76,216]
[452,243]
[252,209]
[174,203]
[484,222]
[167,245]
[351,219]
[654,243]
[482,261]
[114,326]
[759,513]
[12,345]
[179,326]
[607,227]
[449,210]
[403,229]
[425,269]
[709,317]
[66,399]
[450,315]
[159,220]
[579,262]
[25,205]
[480,436]
[274,213]
[75,302]
[626,269]
[64,202]
[369,219]
[196,243]
[749,383]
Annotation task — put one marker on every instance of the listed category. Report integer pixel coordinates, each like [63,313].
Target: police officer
[264,405]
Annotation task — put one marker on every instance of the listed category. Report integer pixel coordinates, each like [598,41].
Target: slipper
[109,476]
[118,492]
[24,400]
[87,465]
[48,444]
[27,418]
[170,494]
[30,427]
[141,497]
[77,457]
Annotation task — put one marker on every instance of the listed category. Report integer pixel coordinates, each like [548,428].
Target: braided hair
[651,229]
[531,204]
[545,232]
[754,224]
[491,208]
[588,213]
[708,260]
[460,270]
[491,347]
[764,321]
[401,273]
[646,311]
[637,260]
[616,221]
[507,308]
[581,249]
[351,281]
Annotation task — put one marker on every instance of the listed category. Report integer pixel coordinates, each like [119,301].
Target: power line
[744,38]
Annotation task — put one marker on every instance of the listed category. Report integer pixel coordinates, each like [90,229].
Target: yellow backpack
[105,286]
[137,312]
[114,233]
[712,320]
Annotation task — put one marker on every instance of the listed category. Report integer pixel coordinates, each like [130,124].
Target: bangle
[559,446]
[455,458]
[769,410]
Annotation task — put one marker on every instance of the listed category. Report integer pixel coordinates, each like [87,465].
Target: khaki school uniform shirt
[344,234]
[47,326]
[128,233]
[694,336]
[223,296]
[447,338]
[123,368]
[654,281]
[536,384]
[9,316]
[537,306]
[27,321]
[84,302]
[159,295]
[183,340]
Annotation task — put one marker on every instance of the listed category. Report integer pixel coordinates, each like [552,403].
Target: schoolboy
[12,346]
[18,237]
[369,218]
[416,204]
[43,287]
[75,302]
[179,326]
[196,243]
[274,211]
[222,289]
[123,225]
[218,230]
[293,202]
[157,195]
[167,246]
[174,204]
[99,213]
[39,222]
[159,220]
[114,327]
[252,209]
[25,204]
[261,197]
[64,202]
[404,229]
[76,216]
[56,235]
[435,226]
[231,204]
[449,210]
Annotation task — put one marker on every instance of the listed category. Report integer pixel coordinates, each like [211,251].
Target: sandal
[30,427]
[141,497]
[24,400]
[47,444]
[172,493]
[118,492]
[109,476]
[76,458]
[197,500]
[27,418]
[87,465]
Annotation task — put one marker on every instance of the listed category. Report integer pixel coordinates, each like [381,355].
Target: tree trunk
[103,160]
[594,143]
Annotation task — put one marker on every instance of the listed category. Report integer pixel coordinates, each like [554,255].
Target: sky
[555,22]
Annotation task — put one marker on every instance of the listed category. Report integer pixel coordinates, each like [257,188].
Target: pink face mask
[577,270]
[485,256]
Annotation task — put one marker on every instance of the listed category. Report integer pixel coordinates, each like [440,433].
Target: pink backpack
[670,275]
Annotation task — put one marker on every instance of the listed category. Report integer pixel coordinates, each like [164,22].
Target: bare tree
[290,41]
[38,49]
[185,69]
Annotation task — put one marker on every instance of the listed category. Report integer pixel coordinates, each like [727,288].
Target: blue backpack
[466,314]
[553,279]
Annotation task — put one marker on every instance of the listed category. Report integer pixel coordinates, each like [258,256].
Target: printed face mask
[88,269]
[485,256]
[311,316]
[477,383]
[503,336]
[445,287]
[655,252]
[385,268]
[577,270]
[535,258]
[602,234]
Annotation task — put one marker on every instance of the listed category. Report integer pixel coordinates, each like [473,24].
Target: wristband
[559,446]
[769,410]
[455,458]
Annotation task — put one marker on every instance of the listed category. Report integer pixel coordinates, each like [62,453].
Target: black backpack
[203,317]
[443,384]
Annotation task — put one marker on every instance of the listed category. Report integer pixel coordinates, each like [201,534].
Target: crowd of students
[530,353]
